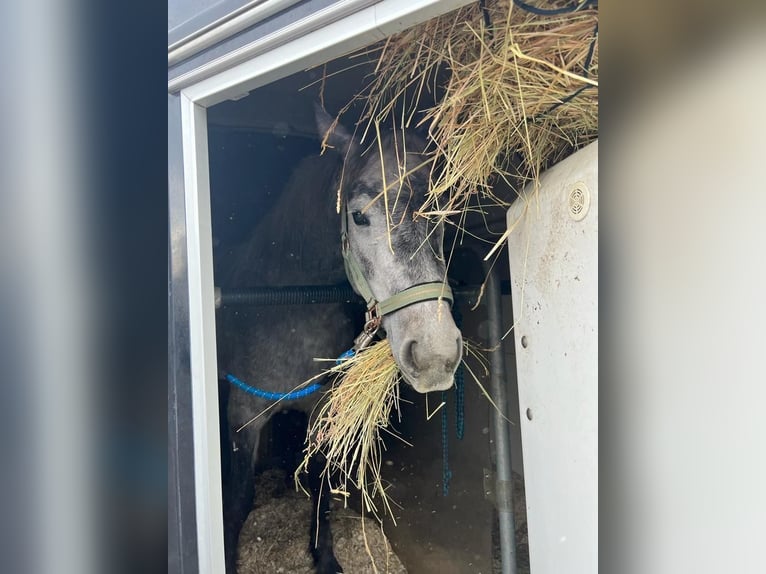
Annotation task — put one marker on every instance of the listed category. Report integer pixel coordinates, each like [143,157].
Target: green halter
[376,310]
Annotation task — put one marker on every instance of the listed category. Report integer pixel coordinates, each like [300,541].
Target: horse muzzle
[427,346]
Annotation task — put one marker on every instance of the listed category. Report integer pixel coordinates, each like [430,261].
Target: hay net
[516,90]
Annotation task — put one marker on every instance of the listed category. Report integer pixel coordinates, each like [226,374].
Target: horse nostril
[408,355]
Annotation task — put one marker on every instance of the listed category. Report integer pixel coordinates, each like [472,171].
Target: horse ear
[333,134]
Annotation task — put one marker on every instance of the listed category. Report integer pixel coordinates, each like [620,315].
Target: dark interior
[254,143]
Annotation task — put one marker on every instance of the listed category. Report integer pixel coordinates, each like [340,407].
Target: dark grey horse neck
[273,348]
[297,241]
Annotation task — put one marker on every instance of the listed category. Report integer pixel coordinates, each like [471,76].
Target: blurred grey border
[682,267]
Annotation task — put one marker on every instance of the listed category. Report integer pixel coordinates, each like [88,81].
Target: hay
[346,428]
[518,96]
[347,425]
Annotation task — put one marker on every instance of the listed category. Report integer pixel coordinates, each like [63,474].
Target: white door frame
[320,37]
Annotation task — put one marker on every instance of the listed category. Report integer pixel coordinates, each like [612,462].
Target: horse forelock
[364,178]
[400,153]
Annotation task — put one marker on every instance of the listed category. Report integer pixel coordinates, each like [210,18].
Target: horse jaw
[426,344]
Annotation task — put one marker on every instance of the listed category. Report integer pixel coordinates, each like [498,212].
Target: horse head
[395,250]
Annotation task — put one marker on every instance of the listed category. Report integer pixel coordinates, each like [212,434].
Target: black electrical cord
[581,5]
[487,19]
[554,11]
[586,73]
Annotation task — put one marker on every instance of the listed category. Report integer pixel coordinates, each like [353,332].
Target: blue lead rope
[446,472]
[459,413]
[291,396]
[459,403]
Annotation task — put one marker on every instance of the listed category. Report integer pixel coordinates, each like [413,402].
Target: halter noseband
[376,310]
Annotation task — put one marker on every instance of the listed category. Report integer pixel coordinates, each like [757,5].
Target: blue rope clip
[344,356]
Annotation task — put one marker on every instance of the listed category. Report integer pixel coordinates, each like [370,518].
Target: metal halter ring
[372,320]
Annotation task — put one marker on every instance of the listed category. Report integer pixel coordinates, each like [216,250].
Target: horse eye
[360,218]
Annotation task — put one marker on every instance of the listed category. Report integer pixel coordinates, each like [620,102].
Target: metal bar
[297,295]
[318,294]
[504,484]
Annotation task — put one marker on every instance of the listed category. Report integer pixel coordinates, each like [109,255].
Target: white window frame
[329,33]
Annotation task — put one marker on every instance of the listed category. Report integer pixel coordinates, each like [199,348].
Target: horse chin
[427,384]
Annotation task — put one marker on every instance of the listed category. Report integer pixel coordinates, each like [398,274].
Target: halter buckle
[371,327]
[372,319]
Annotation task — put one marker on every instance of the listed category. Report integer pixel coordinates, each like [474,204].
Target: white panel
[554,276]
